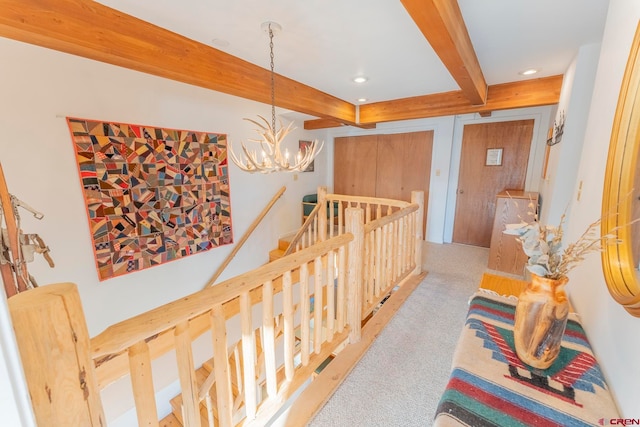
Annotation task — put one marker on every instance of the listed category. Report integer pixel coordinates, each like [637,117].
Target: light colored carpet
[398,382]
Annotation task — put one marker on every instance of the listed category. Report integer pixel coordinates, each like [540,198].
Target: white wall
[15,404]
[614,334]
[40,87]
[575,99]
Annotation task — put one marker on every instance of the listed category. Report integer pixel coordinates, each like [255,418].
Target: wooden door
[478,184]
[354,165]
[404,165]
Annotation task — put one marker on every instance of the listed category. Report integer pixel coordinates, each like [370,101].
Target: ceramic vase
[540,321]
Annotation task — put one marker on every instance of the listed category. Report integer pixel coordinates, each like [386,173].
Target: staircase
[175,419]
[283,245]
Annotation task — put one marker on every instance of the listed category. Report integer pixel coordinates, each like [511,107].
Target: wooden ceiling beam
[329,123]
[442,24]
[91,30]
[528,93]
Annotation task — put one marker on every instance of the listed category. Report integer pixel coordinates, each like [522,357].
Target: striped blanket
[490,386]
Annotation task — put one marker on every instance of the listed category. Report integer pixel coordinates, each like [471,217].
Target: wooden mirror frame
[617,201]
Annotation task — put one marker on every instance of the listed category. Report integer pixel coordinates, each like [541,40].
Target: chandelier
[268,156]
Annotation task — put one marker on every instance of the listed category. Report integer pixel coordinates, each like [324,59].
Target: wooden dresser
[505,252]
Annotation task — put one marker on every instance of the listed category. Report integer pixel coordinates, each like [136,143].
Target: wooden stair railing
[392,238]
[310,306]
[245,236]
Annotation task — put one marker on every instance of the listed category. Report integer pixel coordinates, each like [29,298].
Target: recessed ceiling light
[528,71]
[360,79]
[220,43]
[362,99]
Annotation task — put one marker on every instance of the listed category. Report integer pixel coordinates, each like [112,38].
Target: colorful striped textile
[490,386]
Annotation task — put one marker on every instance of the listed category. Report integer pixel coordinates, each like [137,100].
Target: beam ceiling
[92,30]
[89,29]
[442,24]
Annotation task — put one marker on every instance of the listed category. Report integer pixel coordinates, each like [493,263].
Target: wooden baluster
[305,308]
[397,232]
[342,301]
[318,305]
[224,396]
[416,246]
[248,356]
[378,211]
[418,197]
[332,218]
[369,265]
[403,243]
[340,218]
[186,374]
[268,331]
[142,384]
[379,263]
[396,251]
[331,307]
[388,258]
[316,223]
[210,415]
[355,226]
[289,326]
[384,255]
[322,214]
[367,213]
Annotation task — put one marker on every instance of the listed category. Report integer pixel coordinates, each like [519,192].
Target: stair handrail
[305,227]
[245,236]
[120,336]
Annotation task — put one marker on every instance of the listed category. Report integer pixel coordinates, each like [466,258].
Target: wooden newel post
[418,198]
[355,263]
[54,346]
[322,214]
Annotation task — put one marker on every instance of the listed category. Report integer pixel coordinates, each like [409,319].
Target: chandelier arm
[251,157]
[271,137]
[236,160]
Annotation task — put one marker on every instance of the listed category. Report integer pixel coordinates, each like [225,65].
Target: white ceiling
[325,43]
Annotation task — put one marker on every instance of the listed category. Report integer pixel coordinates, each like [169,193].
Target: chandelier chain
[271,155]
[273,80]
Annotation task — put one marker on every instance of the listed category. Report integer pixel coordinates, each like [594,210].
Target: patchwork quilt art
[152,195]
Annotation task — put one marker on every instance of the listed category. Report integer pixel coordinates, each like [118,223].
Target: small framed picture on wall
[303,146]
[494,157]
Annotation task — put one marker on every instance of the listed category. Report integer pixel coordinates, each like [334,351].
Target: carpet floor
[398,382]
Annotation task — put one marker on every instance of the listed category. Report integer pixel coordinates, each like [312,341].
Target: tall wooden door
[354,165]
[479,183]
[404,165]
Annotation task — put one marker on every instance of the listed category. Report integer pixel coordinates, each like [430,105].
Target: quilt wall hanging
[152,195]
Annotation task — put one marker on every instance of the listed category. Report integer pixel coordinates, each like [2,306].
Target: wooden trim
[528,93]
[90,30]
[442,24]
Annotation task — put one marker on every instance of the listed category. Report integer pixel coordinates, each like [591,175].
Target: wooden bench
[490,386]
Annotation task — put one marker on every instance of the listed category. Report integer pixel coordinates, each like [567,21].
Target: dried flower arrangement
[543,245]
